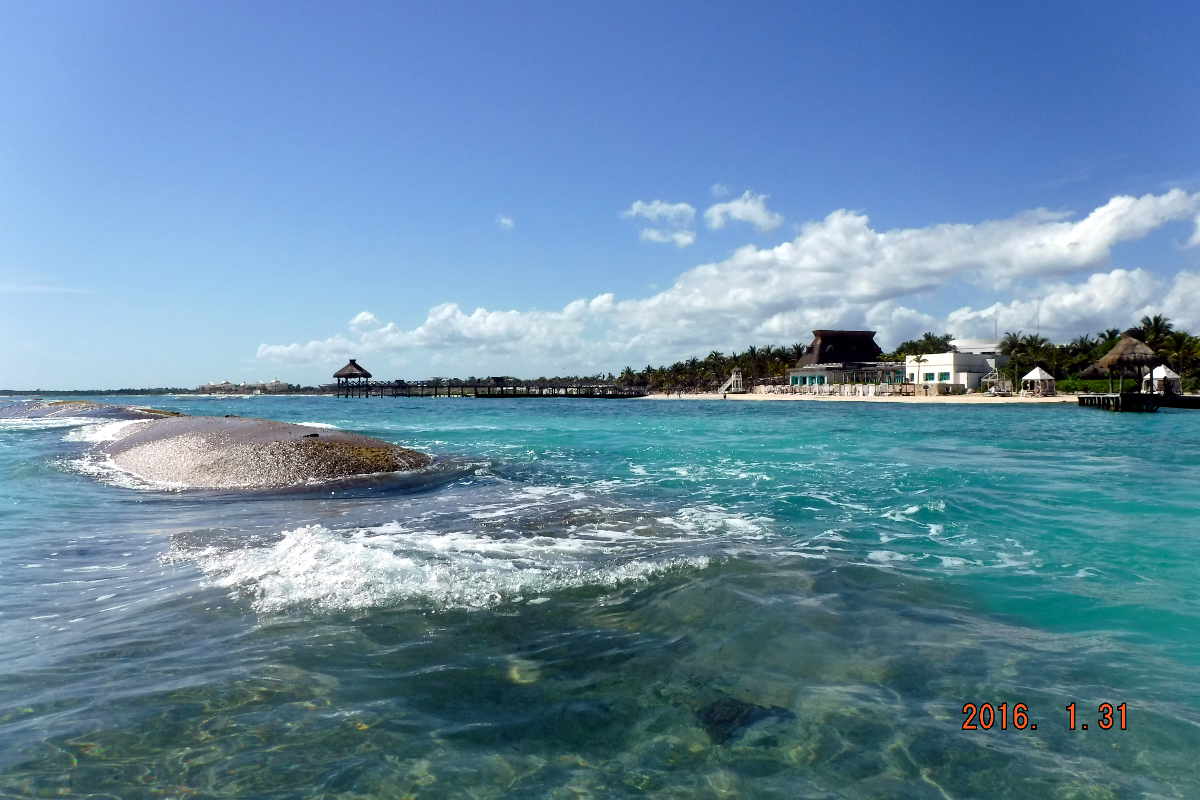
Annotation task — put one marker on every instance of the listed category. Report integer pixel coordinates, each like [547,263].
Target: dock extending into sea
[1122,401]
[534,389]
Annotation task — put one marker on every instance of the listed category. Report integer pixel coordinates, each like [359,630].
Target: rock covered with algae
[247,453]
[53,409]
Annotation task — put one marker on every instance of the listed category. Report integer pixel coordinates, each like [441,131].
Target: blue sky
[197,191]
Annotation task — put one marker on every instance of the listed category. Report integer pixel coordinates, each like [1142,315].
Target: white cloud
[1105,299]
[658,211]
[837,272]
[505,222]
[364,320]
[673,221]
[719,190]
[678,238]
[749,207]
[1182,301]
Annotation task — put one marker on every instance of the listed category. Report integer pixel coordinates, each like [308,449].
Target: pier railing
[496,391]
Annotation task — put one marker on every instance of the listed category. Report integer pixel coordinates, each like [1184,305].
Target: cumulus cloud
[659,211]
[678,238]
[1104,299]
[364,320]
[751,208]
[506,222]
[1061,309]
[1182,300]
[719,190]
[836,272]
[673,221]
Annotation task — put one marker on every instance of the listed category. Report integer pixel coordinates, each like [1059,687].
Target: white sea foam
[320,425]
[42,423]
[104,431]
[312,567]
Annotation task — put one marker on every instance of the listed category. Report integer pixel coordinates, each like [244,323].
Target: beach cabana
[1037,382]
[1128,356]
[1162,379]
[352,379]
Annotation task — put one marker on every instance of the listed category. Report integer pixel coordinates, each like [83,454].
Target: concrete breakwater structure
[353,380]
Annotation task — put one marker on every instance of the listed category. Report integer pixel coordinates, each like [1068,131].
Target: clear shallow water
[558,609]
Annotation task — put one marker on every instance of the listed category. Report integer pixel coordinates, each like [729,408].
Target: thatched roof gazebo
[353,380]
[1129,355]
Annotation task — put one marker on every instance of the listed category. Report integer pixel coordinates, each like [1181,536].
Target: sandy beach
[966,399]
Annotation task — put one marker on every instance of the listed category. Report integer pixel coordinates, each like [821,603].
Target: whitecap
[104,432]
[312,567]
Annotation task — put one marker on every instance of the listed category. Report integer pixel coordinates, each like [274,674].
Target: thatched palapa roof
[1127,353]
[840,347]
[352,370]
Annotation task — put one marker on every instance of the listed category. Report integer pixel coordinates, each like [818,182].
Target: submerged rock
[42,409]
[728,717]
[242,452]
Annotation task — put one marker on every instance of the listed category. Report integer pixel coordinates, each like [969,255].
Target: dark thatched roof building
[843,357]
[840,347]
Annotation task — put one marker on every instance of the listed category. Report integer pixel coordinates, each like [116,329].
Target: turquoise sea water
[613,599]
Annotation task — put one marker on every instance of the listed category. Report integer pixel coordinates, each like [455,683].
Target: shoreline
[958,399]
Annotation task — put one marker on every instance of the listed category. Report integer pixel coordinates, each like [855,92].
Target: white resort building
[966,364]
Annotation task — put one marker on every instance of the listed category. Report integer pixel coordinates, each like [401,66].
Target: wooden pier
[1123,401]
[1190,401]
[491,390]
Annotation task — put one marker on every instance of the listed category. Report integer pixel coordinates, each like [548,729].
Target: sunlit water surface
[613,598]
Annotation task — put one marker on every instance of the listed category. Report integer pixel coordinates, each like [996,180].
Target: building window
[944,377]
[912,376]
[929,376]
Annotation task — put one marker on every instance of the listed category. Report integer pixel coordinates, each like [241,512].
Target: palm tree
[1154,329]
[918,359]
[1181,351]
[1012,343]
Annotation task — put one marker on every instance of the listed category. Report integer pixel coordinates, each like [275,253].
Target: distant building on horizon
[259,387]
